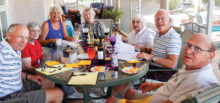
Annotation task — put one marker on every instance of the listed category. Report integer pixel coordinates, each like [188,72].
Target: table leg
[109,92]
[85,95]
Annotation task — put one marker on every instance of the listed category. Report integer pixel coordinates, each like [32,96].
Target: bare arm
[168,101]
[148,86]
[42,37]
[66,36]
[36,78]
[27,63]
[169,62]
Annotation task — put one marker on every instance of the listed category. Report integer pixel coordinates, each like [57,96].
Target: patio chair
[204,95]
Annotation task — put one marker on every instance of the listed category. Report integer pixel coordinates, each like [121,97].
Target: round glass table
[108,79]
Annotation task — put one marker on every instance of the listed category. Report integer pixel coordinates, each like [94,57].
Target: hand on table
[148,86]
[143,55]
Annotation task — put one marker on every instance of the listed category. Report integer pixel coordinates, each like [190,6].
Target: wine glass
[77,34]
[91,52]
[112,40]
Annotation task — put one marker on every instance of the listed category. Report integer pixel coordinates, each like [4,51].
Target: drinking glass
[91,52]
[112,40]
[77,34]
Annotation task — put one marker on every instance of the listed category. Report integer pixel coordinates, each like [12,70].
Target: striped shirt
[97,28]
[10,69]
[169,43]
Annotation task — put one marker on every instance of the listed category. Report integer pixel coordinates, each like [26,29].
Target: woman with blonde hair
[53,29]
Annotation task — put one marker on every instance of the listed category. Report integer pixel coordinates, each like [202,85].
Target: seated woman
[97,26]
[141,37]
[32,53]
[53,29]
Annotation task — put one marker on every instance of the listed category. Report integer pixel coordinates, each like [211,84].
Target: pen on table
[78,74]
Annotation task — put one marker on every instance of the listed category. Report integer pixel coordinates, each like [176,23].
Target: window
[3,17]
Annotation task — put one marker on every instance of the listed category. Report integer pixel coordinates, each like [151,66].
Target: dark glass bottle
[101,52]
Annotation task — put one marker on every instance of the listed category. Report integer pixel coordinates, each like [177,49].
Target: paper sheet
[51,63]
[127,56]
[52,70]
[89,79]
[85,62]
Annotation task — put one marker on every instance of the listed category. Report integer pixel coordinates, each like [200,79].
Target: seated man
[165,50]
[141,37]
[197,74]
[11,84]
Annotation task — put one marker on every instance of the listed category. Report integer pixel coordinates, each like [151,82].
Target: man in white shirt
[196,74]
[141,36]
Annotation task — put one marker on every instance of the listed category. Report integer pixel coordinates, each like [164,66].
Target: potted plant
[112,14]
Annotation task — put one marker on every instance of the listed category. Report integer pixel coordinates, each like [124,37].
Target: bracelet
[26,76]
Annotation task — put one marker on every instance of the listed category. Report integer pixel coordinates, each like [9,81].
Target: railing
[193,27]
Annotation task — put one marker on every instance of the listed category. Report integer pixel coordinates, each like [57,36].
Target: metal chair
[204,95]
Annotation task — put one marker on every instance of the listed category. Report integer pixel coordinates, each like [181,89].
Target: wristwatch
[154,58]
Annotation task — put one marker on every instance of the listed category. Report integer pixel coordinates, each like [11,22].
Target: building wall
[24,11]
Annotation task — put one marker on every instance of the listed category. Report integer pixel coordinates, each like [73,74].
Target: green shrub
[112,14]
[173,4]
[217,2]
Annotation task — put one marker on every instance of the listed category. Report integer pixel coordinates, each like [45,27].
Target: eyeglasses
[162,18]
[35,31]
[194,48]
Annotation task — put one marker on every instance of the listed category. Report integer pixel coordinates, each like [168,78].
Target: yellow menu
[83,78]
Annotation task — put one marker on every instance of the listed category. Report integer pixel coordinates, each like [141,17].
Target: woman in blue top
[53,29]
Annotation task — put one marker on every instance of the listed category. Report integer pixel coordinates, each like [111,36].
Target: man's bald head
[198,51]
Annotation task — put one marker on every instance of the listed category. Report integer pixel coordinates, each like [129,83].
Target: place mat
[85,62]
[53,70]
[72,65]
[51,63]
[83,78]
[134,61]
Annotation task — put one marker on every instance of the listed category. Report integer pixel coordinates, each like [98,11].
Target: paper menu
[52,70]
[128,56]
[90,78]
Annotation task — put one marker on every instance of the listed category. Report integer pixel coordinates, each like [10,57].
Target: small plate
[130,70]
[99,69]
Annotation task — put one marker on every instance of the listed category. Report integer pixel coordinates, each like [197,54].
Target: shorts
[30,90]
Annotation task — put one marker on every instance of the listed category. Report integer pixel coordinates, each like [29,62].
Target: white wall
[24,11]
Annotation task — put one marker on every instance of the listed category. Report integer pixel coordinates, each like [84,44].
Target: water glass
[58,42]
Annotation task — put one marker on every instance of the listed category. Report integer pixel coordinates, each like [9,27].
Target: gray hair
[162,10]
[139,17]
[56,8]
[90,10]
[33,25]
[213,47]
[12,27]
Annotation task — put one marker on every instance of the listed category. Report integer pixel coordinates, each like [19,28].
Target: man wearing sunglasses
[196,74]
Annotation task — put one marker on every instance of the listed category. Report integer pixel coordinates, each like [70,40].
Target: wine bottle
[101,52]
[90,36]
